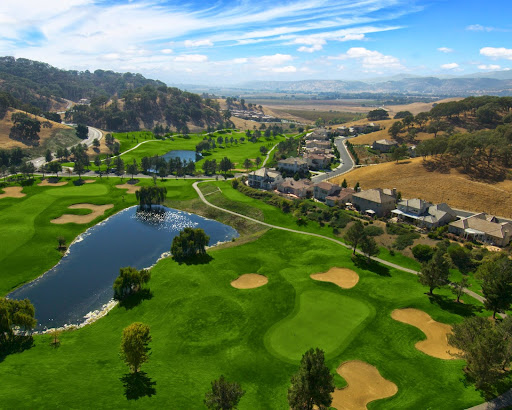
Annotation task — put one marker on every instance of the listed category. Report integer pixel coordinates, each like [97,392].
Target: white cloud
[445,50]
[497,52]
[272,60]
[167,51]
[316,44]
[479,27]
[370,59]
[286,69]
[192,58]
[240,60]
[351,37]
[198,43]
[450,66]
[489,67]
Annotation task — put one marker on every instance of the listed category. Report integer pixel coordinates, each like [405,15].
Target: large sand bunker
[48,182]
[436,343]
[365,384]
[89,181]
[130,187]
[12,192]
[97,210]
[249,281]
[344,278]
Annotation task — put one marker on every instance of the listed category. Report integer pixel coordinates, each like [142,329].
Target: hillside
[41,85]
[413,180]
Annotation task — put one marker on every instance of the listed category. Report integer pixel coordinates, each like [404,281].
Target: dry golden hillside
[414,181]
[417,107]
[6,125]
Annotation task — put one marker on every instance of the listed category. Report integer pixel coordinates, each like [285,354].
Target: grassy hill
[415,181]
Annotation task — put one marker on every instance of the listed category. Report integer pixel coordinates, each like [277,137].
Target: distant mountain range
[494,83]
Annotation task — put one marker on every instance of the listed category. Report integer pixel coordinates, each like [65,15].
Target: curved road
[347,163]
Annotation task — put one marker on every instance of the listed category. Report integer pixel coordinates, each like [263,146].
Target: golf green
[325,319]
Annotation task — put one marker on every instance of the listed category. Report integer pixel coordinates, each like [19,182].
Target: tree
[377,115]
[225,165]
[399,152]
[132,168]
[483,348]
[395,129]
[79,169]
[263,149]
[369,247]
[82,131]
[48,156]
[258,161]
[312,384]
[458,287]
[247,164]
[96,143]
[496,276]
[434,273]
[461,258]
[129,281]
[149,195]
[134,345]
[422,253]
[344,184]
[24,128]
[224,395]
[15,313]
[402,114]
[189,243]
[55,167]
[119,164]
[355,234]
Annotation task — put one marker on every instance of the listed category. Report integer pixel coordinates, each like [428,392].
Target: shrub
[373,230]
[405,240]
[423,253]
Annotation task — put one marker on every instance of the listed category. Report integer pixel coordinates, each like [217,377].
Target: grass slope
[202,327]
[414,181]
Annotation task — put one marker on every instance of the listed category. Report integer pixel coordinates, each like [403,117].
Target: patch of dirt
[365,384]
[436,343]
[344,278]
[130,187]
[52,182]
[12,192]
[249,281]
[97,210]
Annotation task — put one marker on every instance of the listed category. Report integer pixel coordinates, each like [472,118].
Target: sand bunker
[365,384]
[344,278]
[89,181]
[130,187]
[249,281]
[12,192]
[436,344]
[97,210]
[47,182]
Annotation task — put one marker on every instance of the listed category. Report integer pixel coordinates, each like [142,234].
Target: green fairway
[324,319]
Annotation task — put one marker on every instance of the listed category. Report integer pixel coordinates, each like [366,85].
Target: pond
[82,281]
[183,155]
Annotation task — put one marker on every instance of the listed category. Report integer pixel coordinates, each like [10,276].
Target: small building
[264,178]
[318,161]
[423,213]
[310,144]
[324,189]
[299,188]
[293,165]
[320,134]
[341,198]
[374,200]
[483,228]
[384,145]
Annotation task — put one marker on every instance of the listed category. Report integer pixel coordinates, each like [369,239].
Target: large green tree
[189,243]
[225,165]
[354,234]
[151,195]
[496,276]
[224,395]
[15,313]
[129,281]
[313,384]
[134,345]
[434,273]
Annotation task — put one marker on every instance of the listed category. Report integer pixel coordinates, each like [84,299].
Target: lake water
[183,155]
[82,281]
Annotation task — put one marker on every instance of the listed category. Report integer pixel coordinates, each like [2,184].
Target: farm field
[413,180]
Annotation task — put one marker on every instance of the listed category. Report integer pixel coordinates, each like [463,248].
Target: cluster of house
[253,116]
[383,202]
[317,152]
[358,129]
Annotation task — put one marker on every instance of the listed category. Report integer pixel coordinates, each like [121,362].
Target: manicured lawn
[29,239]
[202,328]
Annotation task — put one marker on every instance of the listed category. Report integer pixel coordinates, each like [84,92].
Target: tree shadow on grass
[203,259]
[450,305]
[79,182]
[137,385]
[136,299]
[362,262]
[17,345]
[27,182]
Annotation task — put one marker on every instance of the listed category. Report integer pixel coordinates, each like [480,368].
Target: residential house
[324,189]
[299,188]
[384,145]
[483,228]
[264,178]
[318,161]
[423,213]
[293,165]
[374,201]
[310,144]
[341,198]
[318,134]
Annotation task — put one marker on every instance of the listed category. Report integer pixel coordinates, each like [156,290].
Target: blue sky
[229,42]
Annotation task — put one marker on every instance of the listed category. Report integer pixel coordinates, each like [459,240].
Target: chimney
[393,191]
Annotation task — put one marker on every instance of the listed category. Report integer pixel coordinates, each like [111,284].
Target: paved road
[93,134]
[346,162]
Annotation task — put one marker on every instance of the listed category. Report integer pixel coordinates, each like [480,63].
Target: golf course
[248,313]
